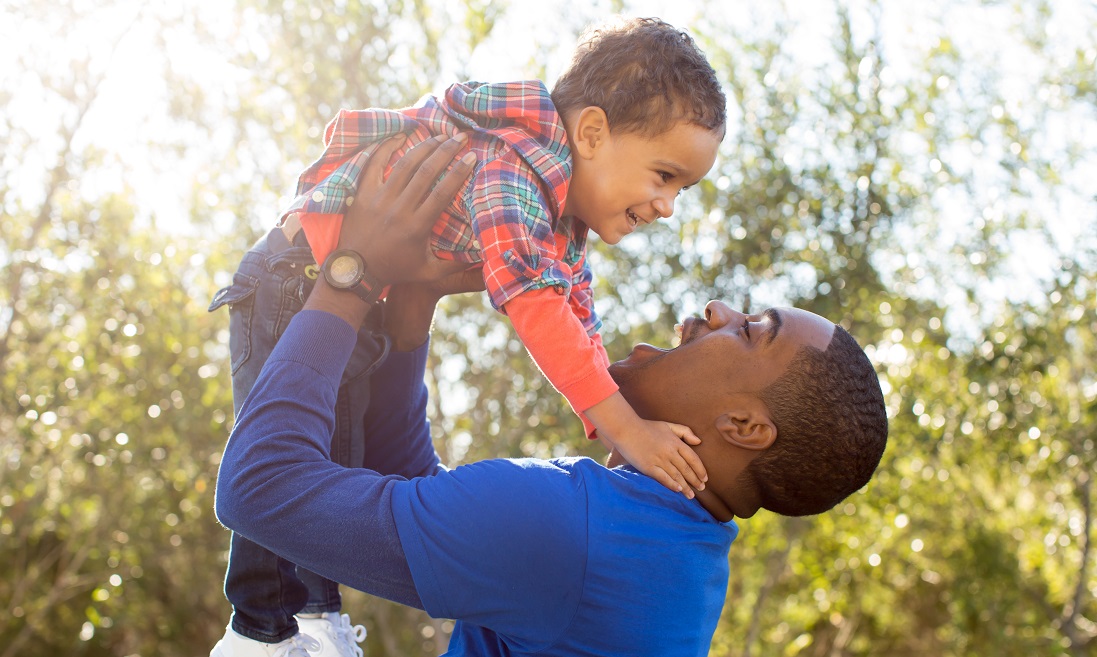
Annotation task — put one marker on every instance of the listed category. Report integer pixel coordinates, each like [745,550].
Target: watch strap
[369,290]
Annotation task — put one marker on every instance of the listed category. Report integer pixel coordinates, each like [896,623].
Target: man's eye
[746,328]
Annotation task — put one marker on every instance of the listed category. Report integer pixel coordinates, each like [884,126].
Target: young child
[636,119]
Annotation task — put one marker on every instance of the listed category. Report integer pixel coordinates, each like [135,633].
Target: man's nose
[718,313]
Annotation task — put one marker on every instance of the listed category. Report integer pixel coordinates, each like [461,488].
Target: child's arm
[575,365]
[582,305]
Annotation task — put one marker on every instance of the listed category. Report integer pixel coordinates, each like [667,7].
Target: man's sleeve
[395,428]
[501,544]
[278,487]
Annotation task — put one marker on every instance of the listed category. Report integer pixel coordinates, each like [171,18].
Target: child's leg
[271,285]
[264,592]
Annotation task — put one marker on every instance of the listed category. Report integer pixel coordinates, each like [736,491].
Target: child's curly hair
[646,75]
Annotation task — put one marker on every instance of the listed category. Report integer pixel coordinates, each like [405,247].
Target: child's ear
[749,427]
[590,132]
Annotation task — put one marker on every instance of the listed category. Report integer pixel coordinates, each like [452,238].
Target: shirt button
[317,196]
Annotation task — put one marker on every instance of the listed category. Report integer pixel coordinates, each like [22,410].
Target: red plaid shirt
[508,217]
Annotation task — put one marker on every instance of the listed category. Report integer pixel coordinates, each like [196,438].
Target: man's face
[633,179]
[723,353]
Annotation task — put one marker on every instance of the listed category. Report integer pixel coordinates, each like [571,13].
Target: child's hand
[660,450]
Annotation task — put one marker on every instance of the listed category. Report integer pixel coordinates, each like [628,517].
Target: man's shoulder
[504,482]
[528,471]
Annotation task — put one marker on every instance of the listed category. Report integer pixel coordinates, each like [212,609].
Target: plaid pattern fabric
[508,215]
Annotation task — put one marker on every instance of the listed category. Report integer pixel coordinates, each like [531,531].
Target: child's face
[623,180]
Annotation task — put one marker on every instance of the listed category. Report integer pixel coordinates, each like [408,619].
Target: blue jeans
[270,286]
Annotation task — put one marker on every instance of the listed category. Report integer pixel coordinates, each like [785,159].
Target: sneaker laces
[299,646]
[350,635]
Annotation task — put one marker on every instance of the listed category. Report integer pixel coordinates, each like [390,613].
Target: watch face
[344,271]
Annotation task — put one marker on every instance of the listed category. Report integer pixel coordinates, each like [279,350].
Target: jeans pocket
[240,298]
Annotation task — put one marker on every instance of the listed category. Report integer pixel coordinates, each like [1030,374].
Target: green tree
[891,168]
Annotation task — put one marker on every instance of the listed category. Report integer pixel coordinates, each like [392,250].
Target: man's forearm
[277,486]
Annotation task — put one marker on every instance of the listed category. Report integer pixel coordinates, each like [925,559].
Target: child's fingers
[686,471]
[692,460]
[673,482]
[694,464]
[685,433]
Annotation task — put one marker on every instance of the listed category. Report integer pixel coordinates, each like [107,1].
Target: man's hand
[390,221]
[409,309]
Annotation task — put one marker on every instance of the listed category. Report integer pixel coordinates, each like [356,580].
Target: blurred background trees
[923,175]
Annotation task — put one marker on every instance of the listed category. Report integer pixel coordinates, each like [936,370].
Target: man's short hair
[831,429]
[646,75]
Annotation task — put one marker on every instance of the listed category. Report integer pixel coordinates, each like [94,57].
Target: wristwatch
[345,270]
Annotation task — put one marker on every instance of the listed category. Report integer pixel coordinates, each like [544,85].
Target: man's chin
[641,356]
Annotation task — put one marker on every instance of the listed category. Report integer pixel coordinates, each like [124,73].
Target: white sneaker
[236,645]
[338,638]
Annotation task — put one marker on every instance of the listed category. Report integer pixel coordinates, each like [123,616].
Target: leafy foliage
[899,172]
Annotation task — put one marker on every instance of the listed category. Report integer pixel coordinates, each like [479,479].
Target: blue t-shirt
[558,557]
[564,557]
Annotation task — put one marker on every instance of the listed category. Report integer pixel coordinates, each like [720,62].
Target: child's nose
[664,207]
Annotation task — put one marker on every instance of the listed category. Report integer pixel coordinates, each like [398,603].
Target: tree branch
[1072,612]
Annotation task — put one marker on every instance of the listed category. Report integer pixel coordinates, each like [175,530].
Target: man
[559,557]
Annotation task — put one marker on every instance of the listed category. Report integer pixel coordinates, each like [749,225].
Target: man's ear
[749,426]
[591,130]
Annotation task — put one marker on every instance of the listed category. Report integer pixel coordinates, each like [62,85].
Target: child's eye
[683,189]
[665,175]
